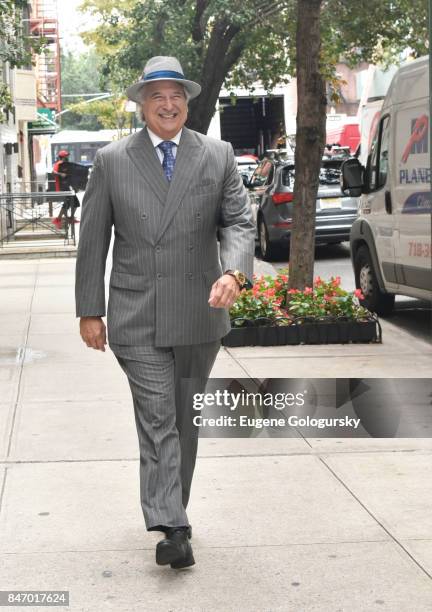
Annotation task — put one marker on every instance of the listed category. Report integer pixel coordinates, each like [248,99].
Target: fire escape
[44,23]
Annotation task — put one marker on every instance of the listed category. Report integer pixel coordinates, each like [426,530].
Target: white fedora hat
[162,68]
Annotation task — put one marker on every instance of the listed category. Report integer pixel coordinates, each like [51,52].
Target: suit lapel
[189,156]
[144,157]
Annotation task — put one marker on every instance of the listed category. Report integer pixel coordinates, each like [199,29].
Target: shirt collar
[156,140]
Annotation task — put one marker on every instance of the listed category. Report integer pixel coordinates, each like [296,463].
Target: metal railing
[27,215]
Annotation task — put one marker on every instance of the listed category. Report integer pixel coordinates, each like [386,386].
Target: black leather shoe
[175,549]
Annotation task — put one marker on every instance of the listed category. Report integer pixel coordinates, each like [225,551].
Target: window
[25,31]
[384,152]
[377,167]
[330,173]
[288,175]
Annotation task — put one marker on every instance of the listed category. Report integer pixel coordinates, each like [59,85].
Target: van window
[379,156]
[384,152]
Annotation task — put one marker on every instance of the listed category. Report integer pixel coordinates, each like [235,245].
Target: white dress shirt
[156,140]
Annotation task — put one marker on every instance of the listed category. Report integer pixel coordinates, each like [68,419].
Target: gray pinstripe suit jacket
[165,255]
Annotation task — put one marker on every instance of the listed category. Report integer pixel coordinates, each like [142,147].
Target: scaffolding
[44,23]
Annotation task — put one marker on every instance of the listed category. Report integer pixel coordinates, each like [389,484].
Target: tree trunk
[310,141]
[201,111]
[222,53]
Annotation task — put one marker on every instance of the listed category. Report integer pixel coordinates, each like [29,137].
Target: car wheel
[269,250]
[374,300]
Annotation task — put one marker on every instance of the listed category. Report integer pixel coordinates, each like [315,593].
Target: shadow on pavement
[413,316]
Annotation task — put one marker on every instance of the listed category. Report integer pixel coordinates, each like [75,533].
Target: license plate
[330,203]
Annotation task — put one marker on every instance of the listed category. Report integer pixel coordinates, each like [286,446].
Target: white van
[391,239]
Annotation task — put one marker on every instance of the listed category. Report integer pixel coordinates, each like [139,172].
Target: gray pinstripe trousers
[168,439]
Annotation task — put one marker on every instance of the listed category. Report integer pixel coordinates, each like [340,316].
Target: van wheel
[365,279]
[269,250]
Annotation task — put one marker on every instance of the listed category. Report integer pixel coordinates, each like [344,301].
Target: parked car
[246,166]
[391,240]
[271,192]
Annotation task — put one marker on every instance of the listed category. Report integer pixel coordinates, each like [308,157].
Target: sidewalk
[280,524]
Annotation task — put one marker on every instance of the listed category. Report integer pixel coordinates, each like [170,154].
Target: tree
[376,32]
[241,43]
[310,140]
[81,74]
[109,114]
[208,36]
[16,47]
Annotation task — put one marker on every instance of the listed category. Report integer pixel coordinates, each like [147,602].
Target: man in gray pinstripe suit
[170,193]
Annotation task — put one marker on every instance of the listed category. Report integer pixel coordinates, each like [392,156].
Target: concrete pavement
[289,524]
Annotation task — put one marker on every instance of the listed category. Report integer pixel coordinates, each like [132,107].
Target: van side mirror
[352,177]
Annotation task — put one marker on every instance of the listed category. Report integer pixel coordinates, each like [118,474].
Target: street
[318,510]
[410,315]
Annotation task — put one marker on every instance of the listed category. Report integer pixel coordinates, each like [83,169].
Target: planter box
[334,332]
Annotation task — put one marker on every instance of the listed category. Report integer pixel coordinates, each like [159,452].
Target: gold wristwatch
[241,279]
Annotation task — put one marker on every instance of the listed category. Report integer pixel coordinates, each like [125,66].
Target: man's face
[164,108]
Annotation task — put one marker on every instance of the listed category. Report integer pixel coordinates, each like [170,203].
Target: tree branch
[233,55]
[266,10]
[200,22]
[159,29]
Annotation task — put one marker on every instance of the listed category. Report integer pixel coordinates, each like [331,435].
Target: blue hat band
[163,74]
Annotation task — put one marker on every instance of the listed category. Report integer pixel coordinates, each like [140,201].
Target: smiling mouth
[168,116]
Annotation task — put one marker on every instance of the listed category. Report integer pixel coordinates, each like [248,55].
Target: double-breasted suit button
[158,249]
[189,275]
[158,275]
[144,215]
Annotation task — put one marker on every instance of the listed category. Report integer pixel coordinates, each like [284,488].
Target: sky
[71,22]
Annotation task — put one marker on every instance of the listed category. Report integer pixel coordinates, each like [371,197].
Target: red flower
[308,291]
[292,291]
[359,294]
[318,281]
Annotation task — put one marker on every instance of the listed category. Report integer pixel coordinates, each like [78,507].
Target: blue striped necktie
[169,160]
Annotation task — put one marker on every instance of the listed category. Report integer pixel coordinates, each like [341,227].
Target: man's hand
[224,292]
[93,332]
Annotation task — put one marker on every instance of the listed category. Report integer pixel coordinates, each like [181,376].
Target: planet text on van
[414,175]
